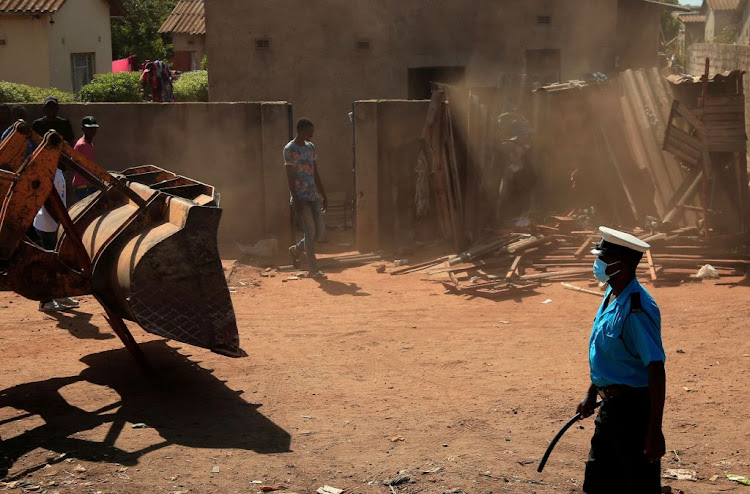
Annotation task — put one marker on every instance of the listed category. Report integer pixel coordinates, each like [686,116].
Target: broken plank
[651,269]
[513,267]
[420,266]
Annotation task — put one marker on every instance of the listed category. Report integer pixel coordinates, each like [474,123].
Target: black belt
[617,390]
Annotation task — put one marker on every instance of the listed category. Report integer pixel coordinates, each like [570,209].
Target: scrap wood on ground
[511,263]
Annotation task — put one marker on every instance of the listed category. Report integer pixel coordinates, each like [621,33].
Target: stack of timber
[511,263]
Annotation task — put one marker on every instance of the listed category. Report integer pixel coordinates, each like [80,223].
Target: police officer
[626,358]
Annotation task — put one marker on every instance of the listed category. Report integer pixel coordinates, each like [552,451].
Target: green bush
[118,87]
[204,62]
[192,86]
[10,92]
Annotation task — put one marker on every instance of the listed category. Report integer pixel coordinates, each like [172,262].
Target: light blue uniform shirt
[622,342]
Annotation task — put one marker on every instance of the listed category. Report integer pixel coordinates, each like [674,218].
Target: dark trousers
[617,463]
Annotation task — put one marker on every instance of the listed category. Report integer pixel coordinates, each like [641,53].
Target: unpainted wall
[387,144]
[236,147]
[322,57]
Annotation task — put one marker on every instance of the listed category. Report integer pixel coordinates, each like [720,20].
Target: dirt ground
[352,380]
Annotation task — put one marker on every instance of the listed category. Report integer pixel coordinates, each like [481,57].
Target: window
[82,69]
[544,19]
[263,44]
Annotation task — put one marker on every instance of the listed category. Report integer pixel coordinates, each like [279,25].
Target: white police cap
[616,242]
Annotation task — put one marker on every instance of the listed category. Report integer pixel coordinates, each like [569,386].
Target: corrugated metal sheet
[690,79]
[724,4]
[688,18]
[30,6]
[646,104]
[188,17]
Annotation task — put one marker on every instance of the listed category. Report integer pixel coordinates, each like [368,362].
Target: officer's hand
[586,407]
[655,446]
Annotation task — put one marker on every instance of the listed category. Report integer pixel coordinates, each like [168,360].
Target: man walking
[308,197]
[626,359]
[85,146]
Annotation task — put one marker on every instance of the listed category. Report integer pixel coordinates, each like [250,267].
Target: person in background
[44,225]
[53,121]
[46,232]
[307,192]
[85,146]
[18,113]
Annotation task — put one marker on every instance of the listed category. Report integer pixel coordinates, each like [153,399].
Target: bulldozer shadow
[184,404]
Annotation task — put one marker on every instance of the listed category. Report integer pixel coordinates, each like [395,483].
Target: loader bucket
[158,264]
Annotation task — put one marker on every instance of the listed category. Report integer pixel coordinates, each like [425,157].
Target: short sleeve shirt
[302,159]
[623,343]
[86,149]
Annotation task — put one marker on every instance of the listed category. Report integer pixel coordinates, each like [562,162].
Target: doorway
[543,66]
[421,79]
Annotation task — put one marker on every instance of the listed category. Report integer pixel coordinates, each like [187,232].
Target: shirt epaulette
[635,302]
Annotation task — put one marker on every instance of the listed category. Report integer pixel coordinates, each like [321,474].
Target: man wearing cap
[626,359]
[85,146]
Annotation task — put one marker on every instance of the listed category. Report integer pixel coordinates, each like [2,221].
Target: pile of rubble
[510,263]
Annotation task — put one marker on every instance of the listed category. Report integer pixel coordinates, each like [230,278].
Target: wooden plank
[679,134]
[555,274]
[715,110]
[513,267]
[584,246]
[727,147]
[724,100]
[685,148]
[420,266]
[679,154]
[688,117]
[736,133]
[651,269]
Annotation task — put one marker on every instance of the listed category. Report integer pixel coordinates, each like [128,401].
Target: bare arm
[586,407]
[657,383]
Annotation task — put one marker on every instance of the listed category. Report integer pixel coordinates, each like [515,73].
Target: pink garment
[122,65]
[86,149]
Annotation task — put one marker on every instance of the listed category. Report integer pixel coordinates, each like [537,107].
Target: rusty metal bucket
[159,264]
[144,244]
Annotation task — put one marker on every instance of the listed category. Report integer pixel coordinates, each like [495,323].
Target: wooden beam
[513,268]
[651,268]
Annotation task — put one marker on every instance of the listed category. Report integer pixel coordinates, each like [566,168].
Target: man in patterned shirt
[308,197]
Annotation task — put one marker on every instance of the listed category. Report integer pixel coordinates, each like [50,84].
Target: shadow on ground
[78,324]
[184,403]
[337,288]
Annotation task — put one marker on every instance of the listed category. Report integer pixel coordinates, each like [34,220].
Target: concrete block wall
[236,147]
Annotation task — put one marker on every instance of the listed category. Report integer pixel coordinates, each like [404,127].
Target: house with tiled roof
[187,25]
[56,43]
[723,18]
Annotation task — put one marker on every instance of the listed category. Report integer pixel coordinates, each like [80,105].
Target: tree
[670,31]
[138,32]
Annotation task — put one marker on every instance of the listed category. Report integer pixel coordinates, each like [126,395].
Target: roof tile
[188,17]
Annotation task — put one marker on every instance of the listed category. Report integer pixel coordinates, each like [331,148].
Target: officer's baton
[552,444]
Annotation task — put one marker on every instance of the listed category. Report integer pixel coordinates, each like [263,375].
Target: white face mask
[600,270]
